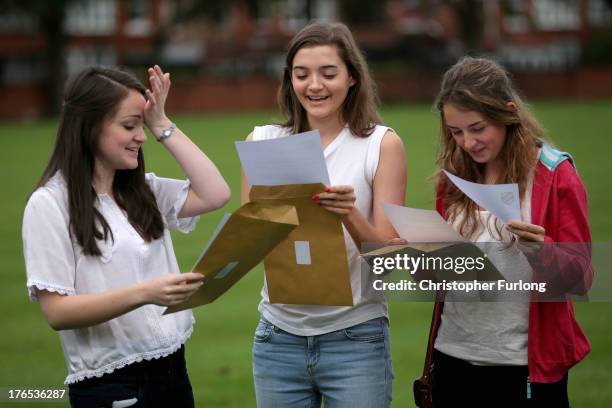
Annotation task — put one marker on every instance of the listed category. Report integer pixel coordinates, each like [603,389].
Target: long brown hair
[90,98]
[483,86]
[360,106]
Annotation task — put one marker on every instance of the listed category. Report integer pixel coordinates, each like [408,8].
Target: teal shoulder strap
[552,158]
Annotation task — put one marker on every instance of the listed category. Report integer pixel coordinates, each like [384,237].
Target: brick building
[231,59]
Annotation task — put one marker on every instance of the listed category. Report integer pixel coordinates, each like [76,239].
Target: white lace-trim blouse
[56,263]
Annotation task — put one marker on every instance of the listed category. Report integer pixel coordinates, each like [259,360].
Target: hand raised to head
[157,93]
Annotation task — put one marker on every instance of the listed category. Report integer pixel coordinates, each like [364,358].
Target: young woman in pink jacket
[508,353]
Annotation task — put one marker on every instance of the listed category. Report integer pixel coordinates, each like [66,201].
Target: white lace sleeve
[47,248]
[171,195]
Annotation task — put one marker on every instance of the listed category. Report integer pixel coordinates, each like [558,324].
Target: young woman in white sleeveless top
[303,355]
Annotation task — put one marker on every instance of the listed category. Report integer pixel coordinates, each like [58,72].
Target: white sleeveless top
[351,160]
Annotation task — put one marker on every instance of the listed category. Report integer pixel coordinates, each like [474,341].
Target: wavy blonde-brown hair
[483,86]
[360,108]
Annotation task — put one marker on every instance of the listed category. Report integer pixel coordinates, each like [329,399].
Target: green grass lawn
[219,353]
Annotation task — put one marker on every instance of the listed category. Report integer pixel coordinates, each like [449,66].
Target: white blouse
[56,263]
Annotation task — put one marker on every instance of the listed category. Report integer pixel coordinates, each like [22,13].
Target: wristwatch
[166,133]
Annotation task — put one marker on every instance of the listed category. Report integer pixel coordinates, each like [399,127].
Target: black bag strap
[430,346]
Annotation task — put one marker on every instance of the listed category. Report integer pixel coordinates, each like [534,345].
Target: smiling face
[122,135]
[321,81]
[479,137]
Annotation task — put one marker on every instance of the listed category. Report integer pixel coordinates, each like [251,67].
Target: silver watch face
[166,132]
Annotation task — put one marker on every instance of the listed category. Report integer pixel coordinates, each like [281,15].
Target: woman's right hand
[396,241]
[154,111]
[85,310]
[171,289]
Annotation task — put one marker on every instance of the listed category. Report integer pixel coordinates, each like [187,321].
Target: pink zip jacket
[559,204]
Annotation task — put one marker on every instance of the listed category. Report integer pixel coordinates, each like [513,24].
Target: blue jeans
[349,368]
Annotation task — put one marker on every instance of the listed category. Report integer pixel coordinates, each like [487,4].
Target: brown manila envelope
[238,246]
[309,267]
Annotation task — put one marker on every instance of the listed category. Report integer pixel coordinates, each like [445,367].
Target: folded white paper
[502,200]
[416,225]
[295,159]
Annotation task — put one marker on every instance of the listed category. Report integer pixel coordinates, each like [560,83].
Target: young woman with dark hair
[305,355]
[97,246]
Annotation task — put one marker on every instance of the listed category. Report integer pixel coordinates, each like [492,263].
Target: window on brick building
[554,15]
[92,17]
[21,70]
[599,13]
[514,16]
[138,13]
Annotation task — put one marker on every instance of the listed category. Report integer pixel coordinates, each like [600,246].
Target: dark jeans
[156,383]
[457,383]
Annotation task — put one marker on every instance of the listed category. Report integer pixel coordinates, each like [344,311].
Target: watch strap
[166,133]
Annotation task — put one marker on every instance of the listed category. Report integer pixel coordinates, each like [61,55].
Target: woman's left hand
[337,199]
[154,111]
[527,232]
[530,236]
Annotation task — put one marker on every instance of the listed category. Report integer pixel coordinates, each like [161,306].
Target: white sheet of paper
[295,159]
[502,200]
[422,226]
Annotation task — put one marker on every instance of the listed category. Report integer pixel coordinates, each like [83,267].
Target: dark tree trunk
[52,20]
[470,14]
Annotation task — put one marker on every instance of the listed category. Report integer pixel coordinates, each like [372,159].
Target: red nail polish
[316,197]
[327,189]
